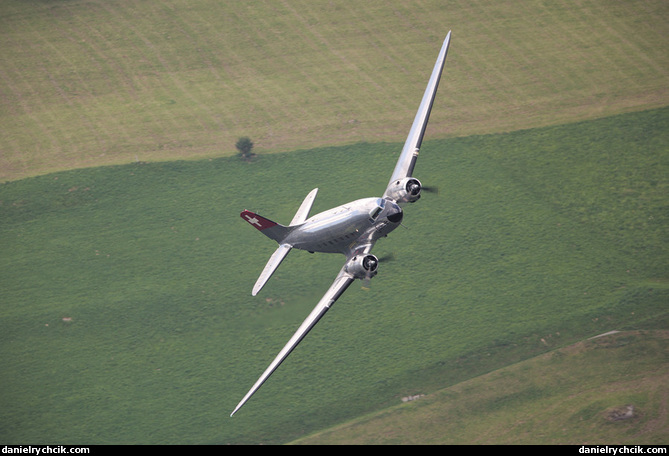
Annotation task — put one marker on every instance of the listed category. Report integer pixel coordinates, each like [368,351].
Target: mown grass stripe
[181,79]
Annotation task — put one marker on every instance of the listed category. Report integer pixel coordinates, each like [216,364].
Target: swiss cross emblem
[253,220]
[259,222]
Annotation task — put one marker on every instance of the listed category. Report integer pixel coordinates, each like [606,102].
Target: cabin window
[374,213]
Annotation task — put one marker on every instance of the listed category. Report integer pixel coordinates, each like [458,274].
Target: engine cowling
[405,190]
[362,266]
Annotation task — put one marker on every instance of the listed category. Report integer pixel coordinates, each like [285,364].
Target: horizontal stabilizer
[273,263]
[303,212]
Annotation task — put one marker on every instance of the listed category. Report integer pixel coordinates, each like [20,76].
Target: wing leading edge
[341,283]
[407,160]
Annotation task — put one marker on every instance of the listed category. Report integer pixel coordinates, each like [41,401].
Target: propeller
[370,263]
[366,282]
[434,190]
[387,257]
[413,187]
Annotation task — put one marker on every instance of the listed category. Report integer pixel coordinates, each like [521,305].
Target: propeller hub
[370,263]
[413,187]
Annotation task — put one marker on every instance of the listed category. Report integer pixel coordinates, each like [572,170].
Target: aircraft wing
[337,288]
[407,160]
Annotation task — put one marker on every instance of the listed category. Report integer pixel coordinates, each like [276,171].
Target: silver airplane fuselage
[348,227]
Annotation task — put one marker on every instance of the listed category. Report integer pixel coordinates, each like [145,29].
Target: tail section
[275,230]
[267,227]
[303,212]
[278,233]
[273,263]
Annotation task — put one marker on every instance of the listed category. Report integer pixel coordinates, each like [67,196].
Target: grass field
[575,395]
[127,315]
[92,82]
[126,270]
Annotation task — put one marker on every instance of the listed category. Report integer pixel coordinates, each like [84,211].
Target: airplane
[351,229]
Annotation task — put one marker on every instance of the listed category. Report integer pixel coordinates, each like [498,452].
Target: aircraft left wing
[407,160]
[340,284]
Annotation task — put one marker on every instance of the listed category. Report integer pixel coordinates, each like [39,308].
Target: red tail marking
[257,221]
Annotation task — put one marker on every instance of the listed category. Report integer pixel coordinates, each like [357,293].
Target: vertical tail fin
[267,227]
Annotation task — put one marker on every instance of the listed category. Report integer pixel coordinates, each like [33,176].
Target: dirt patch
[621,413]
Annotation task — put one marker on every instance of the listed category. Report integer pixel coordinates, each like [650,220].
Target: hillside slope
[612,390]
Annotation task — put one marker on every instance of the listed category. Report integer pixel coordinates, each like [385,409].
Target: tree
[244,146]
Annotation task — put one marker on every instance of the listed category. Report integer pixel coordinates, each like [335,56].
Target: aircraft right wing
[407,160]
[340,284]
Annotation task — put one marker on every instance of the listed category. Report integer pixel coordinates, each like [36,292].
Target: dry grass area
[87,83]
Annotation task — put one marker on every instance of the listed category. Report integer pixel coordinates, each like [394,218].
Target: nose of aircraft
[395,213]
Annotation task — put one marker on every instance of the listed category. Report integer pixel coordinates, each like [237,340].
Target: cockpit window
[380,204]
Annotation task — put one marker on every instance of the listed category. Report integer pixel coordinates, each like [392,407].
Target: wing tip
[243,401]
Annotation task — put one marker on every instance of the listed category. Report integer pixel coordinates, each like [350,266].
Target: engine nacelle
[405,190]
[362,266]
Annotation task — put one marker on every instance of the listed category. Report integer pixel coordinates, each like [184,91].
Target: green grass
[89,82]
[126,307]
[566,396]
[125,293]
